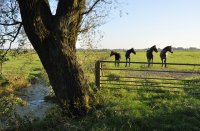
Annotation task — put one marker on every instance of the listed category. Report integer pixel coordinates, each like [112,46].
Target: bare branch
[11,24]
[92,7]
[19,28]
[89,27]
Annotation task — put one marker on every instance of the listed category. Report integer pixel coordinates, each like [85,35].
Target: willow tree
[53,37]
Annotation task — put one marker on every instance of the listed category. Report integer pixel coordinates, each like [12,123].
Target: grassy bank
[21,71]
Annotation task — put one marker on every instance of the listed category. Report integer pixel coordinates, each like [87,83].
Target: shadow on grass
[147,111]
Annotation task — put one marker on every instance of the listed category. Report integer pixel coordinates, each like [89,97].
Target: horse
[117,57]
[127,55]
[149,54]
[163,54]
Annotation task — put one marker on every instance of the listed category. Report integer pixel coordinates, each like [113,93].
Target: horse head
[155,49]
[112,53]
[170,49]
[133,51]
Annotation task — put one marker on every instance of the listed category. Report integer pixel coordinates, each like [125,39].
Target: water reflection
[36,106]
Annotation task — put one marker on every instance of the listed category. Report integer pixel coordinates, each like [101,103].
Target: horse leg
[148,62]
[126,63]
[152,62]
[165,63]
[162,62]
[118,63]
[129,61]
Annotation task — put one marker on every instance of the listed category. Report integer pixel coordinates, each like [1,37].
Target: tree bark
[54,37]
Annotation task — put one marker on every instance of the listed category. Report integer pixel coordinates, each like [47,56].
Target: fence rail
[156,63]
[151,70]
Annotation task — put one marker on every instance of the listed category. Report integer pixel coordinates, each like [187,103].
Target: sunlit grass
[119,108]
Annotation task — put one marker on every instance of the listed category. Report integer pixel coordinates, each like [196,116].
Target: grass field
[114,110]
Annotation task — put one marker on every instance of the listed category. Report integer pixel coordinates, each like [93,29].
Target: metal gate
[178,77]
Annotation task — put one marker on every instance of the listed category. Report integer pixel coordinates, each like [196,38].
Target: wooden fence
[138,75]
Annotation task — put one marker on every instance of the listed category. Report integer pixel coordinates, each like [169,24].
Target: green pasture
[114,109]
[22,64]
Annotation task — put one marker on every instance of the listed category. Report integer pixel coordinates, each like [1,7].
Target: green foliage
[8,117]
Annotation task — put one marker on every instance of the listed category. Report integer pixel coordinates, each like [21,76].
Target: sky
[144,23]
[153,22]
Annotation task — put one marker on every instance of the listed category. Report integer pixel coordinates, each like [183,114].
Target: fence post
[97,73]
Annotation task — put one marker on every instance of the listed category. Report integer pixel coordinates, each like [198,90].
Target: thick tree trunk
[54,38]
[66,78]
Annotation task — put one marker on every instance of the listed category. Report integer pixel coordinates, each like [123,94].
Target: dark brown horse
[117,57]
[127,55]
[150,54]
[163,55]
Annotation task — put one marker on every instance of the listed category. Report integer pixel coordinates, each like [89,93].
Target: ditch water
[36,107]
[35,97]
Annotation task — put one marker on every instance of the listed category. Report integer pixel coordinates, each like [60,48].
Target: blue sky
[154,22]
